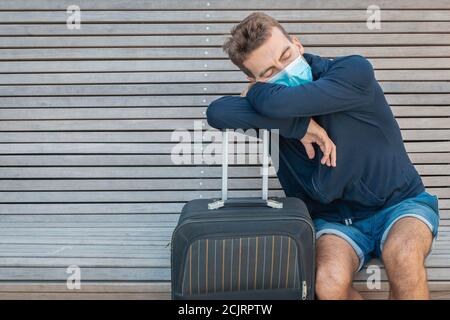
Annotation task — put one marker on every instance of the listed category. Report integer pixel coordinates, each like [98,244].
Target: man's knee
[335,267]
[404,248]
[405,263]
[332,282]
[402,252]
[404,255]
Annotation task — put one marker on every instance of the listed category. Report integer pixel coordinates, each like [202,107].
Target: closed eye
[270,72]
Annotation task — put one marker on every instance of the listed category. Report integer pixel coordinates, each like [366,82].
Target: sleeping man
[341,152]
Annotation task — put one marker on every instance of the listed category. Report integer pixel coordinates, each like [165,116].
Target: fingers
[309,150]
[329,152]
[326,149]
[333,156]
[326,145]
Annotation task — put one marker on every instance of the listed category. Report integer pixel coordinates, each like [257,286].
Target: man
[365,196]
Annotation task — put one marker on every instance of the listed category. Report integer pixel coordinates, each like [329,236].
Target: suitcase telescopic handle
[264,200]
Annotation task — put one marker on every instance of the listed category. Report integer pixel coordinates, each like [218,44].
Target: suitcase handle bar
[264,200]
[251,202]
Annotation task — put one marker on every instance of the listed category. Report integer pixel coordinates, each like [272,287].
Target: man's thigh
[414,221]
[336,256]
[407,234]
[342,244]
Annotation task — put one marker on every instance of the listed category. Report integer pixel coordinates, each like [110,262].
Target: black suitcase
[243,248]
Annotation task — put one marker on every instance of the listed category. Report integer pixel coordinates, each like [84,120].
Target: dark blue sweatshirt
[373,170]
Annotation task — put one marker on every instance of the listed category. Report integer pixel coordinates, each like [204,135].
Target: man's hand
[316,134]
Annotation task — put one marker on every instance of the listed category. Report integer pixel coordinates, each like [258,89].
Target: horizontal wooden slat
[217,40]
[161,184]
[194,65]
[152,184]
[438,258]
[88,286]
[206,77]
[142,196]
[82,262]
[158,232]
[116,101]
[86,240]
[75,295]
[434,274]
[180,172]
[164,148]
[32,160]
[141,100]
[436,286]
[78,219]
[215,4]
[434,261]
[91,208]
[418,99]
[89,274]
[127,196]
[151,290]
[109,208]
[163,136]
[304,15]
[111,220]
[163,124]
[440,295]
[161,236]
[109,113]
[139,274]
[219,28]
[181,88]
[209,52]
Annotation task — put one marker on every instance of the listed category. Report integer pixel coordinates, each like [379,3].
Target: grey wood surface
[87,115]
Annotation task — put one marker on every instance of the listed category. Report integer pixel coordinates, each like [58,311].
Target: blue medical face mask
[296,73]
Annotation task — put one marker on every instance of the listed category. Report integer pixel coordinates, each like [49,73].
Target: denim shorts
[368,235]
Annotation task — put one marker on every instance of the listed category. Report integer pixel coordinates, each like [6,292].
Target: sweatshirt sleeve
[235,112]
[347,85]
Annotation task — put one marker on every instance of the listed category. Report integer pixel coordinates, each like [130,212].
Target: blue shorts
[367,236]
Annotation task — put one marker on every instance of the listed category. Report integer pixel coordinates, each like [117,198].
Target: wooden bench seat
[126,256]
[87,115]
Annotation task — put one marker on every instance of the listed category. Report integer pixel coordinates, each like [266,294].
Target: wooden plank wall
[86,117]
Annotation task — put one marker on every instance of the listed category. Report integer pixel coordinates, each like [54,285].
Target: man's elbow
[362,70]
[215,114]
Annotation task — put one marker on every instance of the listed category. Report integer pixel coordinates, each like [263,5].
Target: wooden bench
[87,114]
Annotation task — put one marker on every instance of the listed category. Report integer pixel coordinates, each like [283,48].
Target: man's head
[260,47]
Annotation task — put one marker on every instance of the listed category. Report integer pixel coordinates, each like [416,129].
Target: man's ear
[298,44]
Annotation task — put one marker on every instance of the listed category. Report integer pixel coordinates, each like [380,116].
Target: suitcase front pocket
[236,264]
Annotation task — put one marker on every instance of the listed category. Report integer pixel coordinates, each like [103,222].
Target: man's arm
[232,112]
[345,87]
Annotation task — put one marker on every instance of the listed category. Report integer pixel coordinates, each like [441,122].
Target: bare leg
[404,253]
[336,263]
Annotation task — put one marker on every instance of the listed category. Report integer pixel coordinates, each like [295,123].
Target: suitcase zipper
[304,290]
[191,220]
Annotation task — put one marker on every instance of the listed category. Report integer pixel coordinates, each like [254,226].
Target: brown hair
[249,35]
